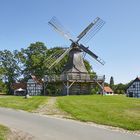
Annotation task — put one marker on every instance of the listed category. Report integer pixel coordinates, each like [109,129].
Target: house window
[134,86]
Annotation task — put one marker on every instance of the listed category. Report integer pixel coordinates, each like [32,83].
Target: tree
[88,66]
[9,68]
[112,82]
[120,88]
[33,59]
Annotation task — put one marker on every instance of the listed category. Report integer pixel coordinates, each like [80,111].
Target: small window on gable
[134,86]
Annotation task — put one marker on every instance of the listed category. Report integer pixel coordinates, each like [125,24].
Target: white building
[34,86]
[108,91]
[133,90]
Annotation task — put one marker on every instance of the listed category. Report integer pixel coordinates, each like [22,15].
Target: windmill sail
[91,30]
[85,49]
[51,58]
[59,58]
[58,27]
[85,35]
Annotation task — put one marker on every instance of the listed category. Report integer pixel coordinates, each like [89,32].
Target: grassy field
[18,102]
[4,131]
[118,111]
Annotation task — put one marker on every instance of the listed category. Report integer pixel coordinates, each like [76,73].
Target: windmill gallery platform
[75,83]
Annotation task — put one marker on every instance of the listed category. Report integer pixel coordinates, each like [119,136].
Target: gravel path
[50,108]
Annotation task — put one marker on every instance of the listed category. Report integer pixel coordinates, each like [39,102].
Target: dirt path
[50,108]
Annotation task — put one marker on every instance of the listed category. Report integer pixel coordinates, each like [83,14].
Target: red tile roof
[107,89]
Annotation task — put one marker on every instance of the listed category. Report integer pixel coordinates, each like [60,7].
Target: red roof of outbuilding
[107,89]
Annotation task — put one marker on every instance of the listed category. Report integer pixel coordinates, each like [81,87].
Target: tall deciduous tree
[9,68]
[33,59]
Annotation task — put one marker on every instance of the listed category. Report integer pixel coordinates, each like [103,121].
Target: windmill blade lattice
[94,27]
[56,57]
[58,27]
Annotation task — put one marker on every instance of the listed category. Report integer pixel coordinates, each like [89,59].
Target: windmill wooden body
[75,78]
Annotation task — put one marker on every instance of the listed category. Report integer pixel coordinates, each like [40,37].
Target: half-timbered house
[133,89]
[34,86]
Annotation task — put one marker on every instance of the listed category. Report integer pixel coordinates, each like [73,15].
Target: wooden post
[103,88]
[103,84]
[67,86]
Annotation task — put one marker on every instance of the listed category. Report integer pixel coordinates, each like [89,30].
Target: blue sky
[118,42]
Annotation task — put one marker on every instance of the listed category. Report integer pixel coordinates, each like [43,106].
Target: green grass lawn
[4,131]
[18,102]
[118,111]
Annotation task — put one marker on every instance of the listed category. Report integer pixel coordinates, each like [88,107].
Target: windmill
[75,77]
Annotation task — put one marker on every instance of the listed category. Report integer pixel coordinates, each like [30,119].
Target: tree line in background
[117,88]
[17,66]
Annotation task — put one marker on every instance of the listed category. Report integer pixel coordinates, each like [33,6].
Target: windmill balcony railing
[73,77]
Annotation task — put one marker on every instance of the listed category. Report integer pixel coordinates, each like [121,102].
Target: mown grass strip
[18,102]
[118,111]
